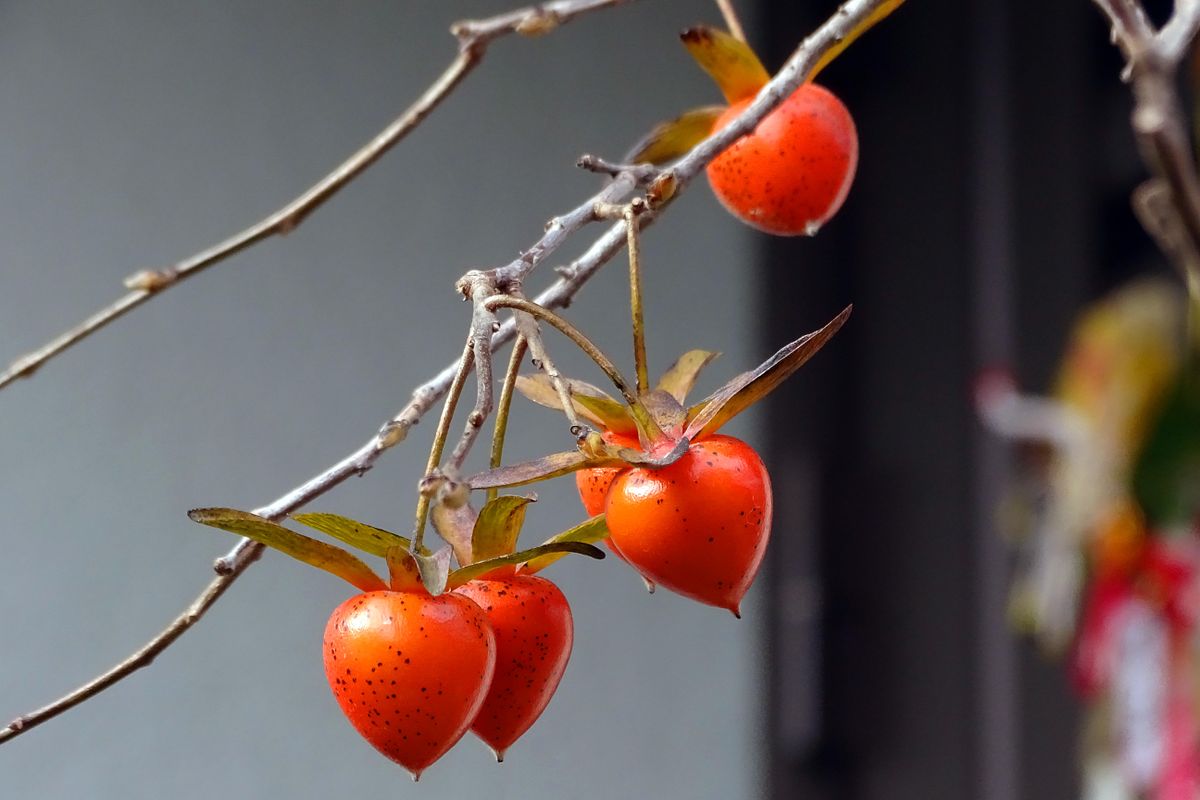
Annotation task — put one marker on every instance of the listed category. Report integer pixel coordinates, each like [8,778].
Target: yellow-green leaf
[589,532]
[750,387]
[403,572]
[481,568]
[498,527]
[358,535]
[869,22]
[613,416]
[674,138]
[311,551]
[728,60]
[680,379]
[590,402]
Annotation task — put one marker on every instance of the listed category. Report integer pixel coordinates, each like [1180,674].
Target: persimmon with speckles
[593,483]
[699,526]
[792,173]
[409,670]
[534,634]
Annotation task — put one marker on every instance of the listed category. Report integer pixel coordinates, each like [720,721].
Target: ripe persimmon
[409,670]
[534,634]
[791,174]
[699,526]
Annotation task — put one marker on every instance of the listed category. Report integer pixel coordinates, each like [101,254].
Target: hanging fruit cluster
[418,659]
[1112,544]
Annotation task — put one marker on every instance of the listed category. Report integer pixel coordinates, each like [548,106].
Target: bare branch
[473,36]
[1177,35]
[483,325]
[1171,209]
[536,19]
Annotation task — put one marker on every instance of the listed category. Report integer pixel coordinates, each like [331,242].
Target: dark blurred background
[874,660]
[992,201]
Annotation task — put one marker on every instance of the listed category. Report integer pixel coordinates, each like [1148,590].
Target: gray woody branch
[1168,204]
[507,278]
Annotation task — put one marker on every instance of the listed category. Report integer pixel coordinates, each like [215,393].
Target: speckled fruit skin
[792,173]
[698,527]
[534,634]
[410,671]
[593,483]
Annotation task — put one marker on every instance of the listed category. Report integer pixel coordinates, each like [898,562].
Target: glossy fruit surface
[594,483]
[534,634]
[698,527]
[410,671]
[792,173]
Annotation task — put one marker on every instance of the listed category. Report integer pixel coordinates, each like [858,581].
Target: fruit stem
[503,406]
[731,19]
[439,441]
[640,415]
[631,213]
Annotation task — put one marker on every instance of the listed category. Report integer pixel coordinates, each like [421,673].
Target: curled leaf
[481,568]
[455,526]
[680,379]
[434,569]
[674,138]
[403,572]
[498,527]
[358,535]
[539,469]
[665,410]
[627,455]
[589,532]
[728,60]
[748,388]
[302,548]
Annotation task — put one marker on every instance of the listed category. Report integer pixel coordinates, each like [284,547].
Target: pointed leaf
[589,532]
[358,535]
[728,60]
[674,138]
[603,412]
[750,387]
[869,22]
[311,551]
[665,410]
[532,471]
[403,573]
[434,570]
[481,568]
[680,379]
[455,526]
[498,527]
[613,416]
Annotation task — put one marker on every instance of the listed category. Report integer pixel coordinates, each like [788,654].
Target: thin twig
[503,406]
[474,36]
[483,325]
[636,208]
[558,295]
[731,19]
[439,440]
[532,332]
[1158,120]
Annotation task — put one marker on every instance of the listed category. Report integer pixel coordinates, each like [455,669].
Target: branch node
[150,280]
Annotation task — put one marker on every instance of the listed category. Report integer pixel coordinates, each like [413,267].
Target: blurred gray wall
[136,133]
